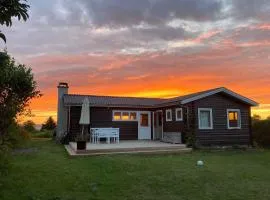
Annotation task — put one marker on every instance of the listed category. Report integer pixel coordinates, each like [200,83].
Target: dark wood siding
[172,126]
[220,134]
[102,117]
[75,114]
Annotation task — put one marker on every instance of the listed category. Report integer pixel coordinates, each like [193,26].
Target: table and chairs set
[110,134]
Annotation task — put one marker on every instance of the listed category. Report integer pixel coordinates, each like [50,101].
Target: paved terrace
[134,146]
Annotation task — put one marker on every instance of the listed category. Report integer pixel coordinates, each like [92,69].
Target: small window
[178,114]
[144,120]
[117,116]
[125,115]
[133,115]
[168,115]
[233,119]
[205,118]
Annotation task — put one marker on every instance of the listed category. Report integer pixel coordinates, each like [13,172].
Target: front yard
[45,171]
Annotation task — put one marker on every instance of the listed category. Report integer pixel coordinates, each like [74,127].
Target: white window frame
[168,110]
[211,118]
[122,111]
[239,118]
[177,118]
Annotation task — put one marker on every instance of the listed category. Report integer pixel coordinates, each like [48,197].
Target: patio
[130,146]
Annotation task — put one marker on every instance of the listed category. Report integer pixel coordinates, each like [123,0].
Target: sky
[150,48]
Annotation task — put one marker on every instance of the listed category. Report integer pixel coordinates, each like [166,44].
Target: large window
[205,118]
[178,114]
[124,116]
[233,119]
[168,115]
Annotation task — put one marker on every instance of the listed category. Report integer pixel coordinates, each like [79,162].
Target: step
[151,150]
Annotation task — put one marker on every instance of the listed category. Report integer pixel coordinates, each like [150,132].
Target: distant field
[45,171]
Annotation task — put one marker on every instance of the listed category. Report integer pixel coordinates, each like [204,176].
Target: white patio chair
[115,135]
[94,134]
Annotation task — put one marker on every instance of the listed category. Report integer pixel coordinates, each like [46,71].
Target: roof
[185,97]
[200,95]
[112,100]
[75,99]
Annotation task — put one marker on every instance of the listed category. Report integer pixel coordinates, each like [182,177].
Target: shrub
[261,132]
[4,162]
[16,136]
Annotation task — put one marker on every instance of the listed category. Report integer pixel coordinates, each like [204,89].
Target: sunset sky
[154,48]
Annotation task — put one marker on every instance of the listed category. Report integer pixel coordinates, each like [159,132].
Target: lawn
[45,171]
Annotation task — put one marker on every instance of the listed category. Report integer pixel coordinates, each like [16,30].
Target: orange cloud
[264,26]
[154,75]
[206,35]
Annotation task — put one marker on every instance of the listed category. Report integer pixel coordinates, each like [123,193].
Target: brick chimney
[61,110]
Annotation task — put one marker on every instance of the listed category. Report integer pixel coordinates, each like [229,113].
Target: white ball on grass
[200,163]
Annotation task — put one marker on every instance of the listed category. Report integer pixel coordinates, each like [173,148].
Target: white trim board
[225,90]
[167,119]
[239,123]
[181,117]
[121,111]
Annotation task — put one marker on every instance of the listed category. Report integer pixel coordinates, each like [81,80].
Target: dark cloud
[250,9]
[247,34]
[118,13]
[123,13]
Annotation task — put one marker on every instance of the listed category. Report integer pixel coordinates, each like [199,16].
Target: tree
[17,88]
[12,8]
[29,125]
[49,124]
[255,118]
[261,132]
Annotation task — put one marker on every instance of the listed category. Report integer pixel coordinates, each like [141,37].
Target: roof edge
[90,95]
[218,90]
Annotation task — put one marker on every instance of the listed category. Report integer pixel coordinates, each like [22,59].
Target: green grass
[42,134]
[49,173]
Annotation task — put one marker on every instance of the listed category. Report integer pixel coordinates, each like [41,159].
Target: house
[215,117]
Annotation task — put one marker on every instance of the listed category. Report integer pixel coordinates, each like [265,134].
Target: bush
[16,136]
[4,162]
[261,132]
[4,166]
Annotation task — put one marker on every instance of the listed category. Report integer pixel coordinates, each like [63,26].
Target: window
[133,115]
[117,116]
[178,114]
[233,119]
[205,118]
[144,120]
[124,116]
[169,115]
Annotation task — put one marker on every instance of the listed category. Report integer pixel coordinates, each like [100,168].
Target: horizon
[144,49]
